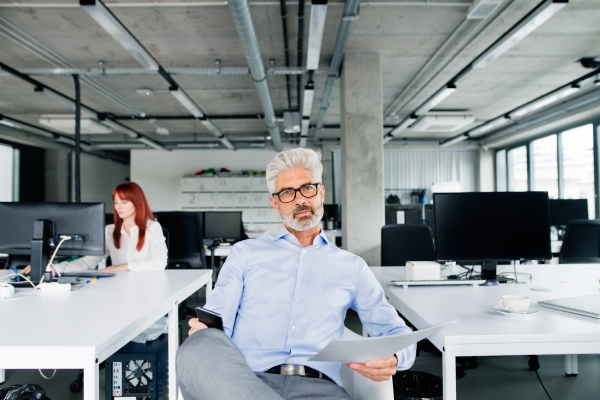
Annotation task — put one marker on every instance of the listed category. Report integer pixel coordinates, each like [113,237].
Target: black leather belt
[298,370]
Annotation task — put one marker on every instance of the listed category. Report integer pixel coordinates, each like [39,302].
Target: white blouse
[152,256]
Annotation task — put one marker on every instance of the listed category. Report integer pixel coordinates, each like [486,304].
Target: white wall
[98,178]
[158,172]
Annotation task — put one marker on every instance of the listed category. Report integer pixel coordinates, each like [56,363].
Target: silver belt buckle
[291,369]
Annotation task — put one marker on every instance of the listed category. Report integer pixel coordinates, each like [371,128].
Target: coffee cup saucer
[530,311]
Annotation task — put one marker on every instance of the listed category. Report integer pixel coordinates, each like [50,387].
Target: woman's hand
[116,268]
[195,326]
[27,269]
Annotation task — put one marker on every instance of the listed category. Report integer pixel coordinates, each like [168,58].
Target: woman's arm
[157,260]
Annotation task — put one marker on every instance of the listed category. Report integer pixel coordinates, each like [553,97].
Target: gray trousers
[210,366]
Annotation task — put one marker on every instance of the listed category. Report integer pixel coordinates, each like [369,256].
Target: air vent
[66,123]
[483,8]
[442,123]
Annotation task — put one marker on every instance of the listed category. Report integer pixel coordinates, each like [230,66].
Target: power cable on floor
[542,383]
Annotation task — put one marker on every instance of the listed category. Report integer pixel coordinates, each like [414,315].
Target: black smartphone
[209,318]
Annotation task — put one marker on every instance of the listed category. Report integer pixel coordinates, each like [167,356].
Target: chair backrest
[166,235]
[581,243]
[402,243]
[186,248]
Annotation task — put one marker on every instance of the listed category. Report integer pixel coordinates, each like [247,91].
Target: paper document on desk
[374,348]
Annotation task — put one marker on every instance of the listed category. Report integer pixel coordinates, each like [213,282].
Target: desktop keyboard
[404,282]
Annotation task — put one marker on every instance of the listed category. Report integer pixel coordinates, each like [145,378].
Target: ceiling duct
[240,12]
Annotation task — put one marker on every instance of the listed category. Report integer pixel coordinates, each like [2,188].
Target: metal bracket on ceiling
[218,66]
[354,17]
[101,67]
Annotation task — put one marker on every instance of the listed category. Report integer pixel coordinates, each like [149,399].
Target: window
[517,169]
[545,166]
[6,173]
[501,171]
[578,165]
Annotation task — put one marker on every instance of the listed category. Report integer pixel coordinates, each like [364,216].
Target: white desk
[483,332]
[80,329]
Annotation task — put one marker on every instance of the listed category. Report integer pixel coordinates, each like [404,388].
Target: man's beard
[306,222]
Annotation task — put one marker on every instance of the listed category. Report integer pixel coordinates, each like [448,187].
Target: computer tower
[138,371]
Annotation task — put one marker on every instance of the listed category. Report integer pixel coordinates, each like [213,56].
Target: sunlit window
[517,169]
[545,166]
[578,165]
[6,173]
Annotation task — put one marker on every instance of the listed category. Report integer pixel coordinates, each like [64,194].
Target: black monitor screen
[491,226]
[223,224]
[85,220]
[564,211]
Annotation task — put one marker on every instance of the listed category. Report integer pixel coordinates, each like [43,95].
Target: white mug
[514,303]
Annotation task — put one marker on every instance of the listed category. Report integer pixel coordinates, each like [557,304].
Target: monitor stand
[40,249]
[488,270]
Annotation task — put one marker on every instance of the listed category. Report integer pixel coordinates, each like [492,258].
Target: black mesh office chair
[402,243]
[581,243]
[186,248]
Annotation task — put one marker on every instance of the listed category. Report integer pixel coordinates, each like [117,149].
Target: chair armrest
[361,388]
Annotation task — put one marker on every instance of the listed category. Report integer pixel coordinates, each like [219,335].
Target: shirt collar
[284,233]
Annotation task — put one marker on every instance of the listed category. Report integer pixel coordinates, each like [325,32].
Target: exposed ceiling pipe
[350,14]
[286,49]
[300,48]
[170,4]
[240,12]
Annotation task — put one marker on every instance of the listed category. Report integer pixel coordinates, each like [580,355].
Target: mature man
[283,297]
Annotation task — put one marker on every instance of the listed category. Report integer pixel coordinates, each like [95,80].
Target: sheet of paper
[374,348]
[399,217]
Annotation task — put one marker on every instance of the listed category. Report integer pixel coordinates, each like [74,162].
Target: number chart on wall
[248,194]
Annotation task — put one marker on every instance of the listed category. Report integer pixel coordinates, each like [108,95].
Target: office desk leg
[91,386]
[449,360]
[571,367]
[173,346]
[2,376]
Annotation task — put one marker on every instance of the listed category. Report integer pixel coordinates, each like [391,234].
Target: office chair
[581,243]
[402,243]
[186,248]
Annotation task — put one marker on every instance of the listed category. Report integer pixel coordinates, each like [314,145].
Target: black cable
[542,383]
[300,52]
[286,48]
[77,139]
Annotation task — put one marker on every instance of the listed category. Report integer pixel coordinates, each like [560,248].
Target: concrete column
[327,174]
[363,208]
[57,183]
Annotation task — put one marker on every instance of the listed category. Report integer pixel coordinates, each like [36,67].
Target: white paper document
[374,348]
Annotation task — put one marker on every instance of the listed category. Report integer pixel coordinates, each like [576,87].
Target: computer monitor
[491,227]
[564,211]
[224,225]
[36,228]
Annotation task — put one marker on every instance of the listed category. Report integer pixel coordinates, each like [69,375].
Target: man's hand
[376,370]
[195,326]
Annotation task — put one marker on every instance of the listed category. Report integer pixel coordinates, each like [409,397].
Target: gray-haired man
[283,297]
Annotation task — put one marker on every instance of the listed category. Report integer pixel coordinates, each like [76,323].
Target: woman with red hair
[135,242]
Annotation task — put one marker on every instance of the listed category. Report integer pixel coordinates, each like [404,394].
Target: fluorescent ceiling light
[291,122]
[436,99]
[214,129]
[66,123]
[530,23]
[68,103]
[309,95]
[442,122]
[128,146]
[488,126]
[145,92]
[197,145]
[227,143]
[545,100]
[11,124]
[318,12]
[27,128]
[113,26]
[402,126]
[304,132]
[187,102]
[71,142]
[150,143]
[481,9]
[454,140]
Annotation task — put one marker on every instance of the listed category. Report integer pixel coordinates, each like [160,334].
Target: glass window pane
[6,173]
[545,166]
[578,161]
[501,171]
[517,169]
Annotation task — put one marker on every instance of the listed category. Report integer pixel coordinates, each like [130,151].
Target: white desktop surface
[483,332]
[80,329]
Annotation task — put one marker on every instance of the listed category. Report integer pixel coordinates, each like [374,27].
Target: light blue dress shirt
[282,303]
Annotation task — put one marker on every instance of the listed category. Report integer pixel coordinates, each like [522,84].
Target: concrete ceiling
[193,36]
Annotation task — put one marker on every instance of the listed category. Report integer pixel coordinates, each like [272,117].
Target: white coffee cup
[514,303]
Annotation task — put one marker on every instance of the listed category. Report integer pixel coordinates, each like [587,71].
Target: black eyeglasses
[288,195]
